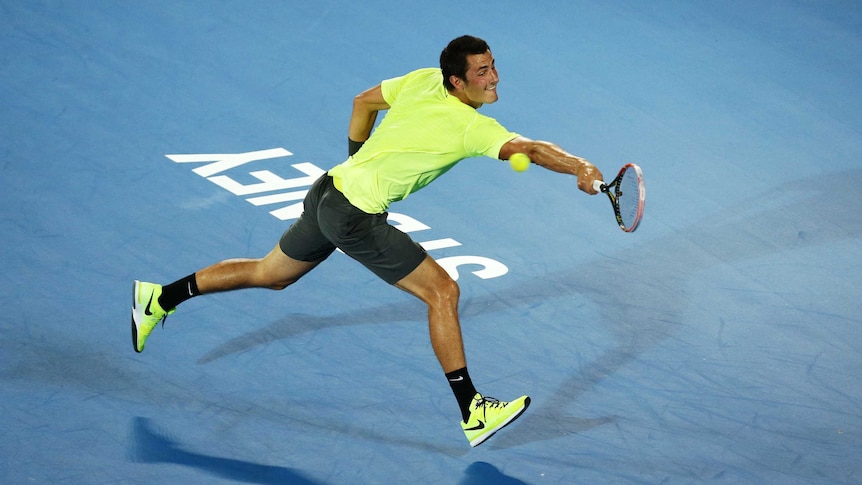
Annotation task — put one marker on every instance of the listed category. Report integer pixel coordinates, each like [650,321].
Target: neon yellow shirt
[424,134]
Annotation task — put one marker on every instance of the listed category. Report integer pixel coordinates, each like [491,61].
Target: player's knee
[279,283]
[278,286]
[446,290]
[273,280]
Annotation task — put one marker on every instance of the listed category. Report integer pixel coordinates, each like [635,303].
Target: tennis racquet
[627,194]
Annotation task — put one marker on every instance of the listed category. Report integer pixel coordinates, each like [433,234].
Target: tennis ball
[519,162]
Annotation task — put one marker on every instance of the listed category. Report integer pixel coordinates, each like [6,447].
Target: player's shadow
[149,446]
[633,289]
[481,473]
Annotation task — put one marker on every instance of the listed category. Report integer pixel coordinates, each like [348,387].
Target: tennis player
[431,124]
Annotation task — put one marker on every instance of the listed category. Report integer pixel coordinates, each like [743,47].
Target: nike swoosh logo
[457,379]
[147,311]
[479,426]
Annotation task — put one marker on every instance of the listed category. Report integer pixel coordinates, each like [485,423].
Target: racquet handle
[597,185]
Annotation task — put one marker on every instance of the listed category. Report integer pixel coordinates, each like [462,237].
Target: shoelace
[490,401]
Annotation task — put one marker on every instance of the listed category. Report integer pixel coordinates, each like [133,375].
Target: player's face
[480,87]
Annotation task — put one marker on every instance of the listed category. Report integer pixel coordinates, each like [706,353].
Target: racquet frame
[614,192]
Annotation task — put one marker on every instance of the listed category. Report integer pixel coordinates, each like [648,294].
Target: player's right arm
[365,108]
[552,157]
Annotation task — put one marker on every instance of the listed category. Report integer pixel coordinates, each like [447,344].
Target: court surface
[721,342]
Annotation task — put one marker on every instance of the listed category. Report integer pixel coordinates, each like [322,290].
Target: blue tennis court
[721,342]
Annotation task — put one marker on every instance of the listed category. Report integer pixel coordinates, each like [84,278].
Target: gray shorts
[329,220]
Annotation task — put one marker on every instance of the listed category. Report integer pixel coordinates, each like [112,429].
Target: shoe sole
[135,327]
[478,441]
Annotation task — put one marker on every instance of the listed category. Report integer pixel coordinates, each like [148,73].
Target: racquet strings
[628,197]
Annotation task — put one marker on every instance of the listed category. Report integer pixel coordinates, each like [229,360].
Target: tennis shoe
[146,312]
[489,415]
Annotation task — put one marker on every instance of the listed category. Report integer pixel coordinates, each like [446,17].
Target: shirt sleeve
[486,136]
[391,87]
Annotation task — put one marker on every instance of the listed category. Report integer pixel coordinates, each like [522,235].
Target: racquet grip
[597,185]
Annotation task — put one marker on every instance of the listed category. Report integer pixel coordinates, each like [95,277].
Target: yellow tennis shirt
[424,134]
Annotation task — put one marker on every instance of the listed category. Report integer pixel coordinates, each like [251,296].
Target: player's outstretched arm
[552,157]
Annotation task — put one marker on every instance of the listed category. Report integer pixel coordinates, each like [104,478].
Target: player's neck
[462,96]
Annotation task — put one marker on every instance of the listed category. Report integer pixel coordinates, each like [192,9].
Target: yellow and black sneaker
[146,312]
[489,415]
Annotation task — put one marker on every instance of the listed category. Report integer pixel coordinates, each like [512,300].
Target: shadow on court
[481,473]
[149,446]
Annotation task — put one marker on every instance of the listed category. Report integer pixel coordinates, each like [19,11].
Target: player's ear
[456,81]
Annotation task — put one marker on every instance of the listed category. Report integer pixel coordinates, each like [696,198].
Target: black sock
[463,389]
[178,292]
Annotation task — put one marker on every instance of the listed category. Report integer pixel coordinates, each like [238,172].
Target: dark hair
[453,59]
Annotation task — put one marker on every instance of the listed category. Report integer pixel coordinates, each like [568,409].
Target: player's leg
[275,271]
[406,265]
[430,283]
[399,261]
[152,303]
[482,416]
[300,249]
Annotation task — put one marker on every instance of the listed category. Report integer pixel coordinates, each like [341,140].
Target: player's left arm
[365,108]
[552,157]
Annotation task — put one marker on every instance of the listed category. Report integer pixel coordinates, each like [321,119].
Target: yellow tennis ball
[519,162]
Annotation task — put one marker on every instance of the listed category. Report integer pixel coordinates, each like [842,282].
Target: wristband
[353,146]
